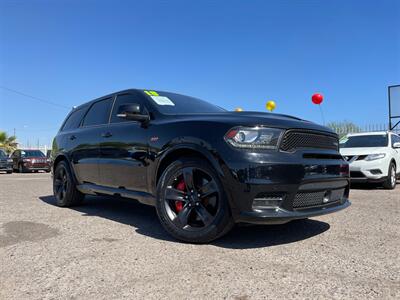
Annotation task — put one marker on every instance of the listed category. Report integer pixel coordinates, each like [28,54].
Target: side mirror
[132,112]
[396,145]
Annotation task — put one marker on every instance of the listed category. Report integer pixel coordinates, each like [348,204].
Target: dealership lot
[108,249]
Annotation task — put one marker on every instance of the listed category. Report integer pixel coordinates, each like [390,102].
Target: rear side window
[395,139]
[98,113]
[125,99]
[74,119]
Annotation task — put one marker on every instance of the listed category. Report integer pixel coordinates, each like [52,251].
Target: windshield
[174,104]
[2,154]
[364,141]
[32,153]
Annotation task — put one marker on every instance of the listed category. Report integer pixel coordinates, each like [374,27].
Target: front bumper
[5,167]
[369,171]
[305,186]
[281,216]
[37,167]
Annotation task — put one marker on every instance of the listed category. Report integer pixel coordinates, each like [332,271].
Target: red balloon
[317,98]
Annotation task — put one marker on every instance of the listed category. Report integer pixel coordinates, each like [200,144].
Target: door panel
[85,141]
[123,157]
[85,151]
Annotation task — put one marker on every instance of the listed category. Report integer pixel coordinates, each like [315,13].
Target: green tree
[343,127]
[8,143]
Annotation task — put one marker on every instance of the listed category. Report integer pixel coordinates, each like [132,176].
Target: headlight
[253,138]
[9,160]
[375,156]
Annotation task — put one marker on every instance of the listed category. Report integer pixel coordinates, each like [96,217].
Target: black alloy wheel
[60,184]
[64,187]
[191,203]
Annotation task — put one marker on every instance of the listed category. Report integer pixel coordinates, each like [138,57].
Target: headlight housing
[9,160]
[253,138]
[375,156]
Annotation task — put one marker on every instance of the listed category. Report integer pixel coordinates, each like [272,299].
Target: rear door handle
[72,137]
[106,134]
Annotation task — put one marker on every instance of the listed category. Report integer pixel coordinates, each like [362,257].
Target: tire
[202,215]
[64,187]
[9,172]
[390,182]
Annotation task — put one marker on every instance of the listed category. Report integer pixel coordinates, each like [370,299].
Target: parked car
[25,160]
[202,167]
[373,157]
[5,162]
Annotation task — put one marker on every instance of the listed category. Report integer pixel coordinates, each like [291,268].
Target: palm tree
[9,143]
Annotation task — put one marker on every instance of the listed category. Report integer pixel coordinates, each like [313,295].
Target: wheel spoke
[204,215]
[57,182]
[175,194]
[188,178]
[208,189]
[183,216]
[59,192]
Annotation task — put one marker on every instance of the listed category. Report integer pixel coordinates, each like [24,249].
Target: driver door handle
[106,134]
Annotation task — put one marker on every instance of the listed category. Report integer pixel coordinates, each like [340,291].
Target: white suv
[373,157]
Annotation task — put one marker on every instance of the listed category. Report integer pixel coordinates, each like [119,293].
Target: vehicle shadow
[144,219]
[368,186]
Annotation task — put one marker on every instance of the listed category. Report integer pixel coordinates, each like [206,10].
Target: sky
[231,53]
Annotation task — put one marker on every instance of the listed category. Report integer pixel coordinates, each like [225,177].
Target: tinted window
[98,113]
[74,119]
[395,139]
[170,103]
[123,100]
[2,154]
[363,141]
[32,153]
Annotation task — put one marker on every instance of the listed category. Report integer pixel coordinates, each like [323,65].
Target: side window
[123,100]
[74,119]
[98,113]
[395,139]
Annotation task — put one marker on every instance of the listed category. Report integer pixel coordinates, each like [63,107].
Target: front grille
[315,199]
[294,139]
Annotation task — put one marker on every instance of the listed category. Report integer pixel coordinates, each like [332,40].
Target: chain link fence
[343,129]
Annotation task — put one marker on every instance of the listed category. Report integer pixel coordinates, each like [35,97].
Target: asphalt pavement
[115,249]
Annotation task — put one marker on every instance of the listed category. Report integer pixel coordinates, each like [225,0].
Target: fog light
[267,202]
[376,172]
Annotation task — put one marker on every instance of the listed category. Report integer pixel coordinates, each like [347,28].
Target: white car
[373,157]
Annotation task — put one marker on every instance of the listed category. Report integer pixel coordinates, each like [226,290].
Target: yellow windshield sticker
[151,93]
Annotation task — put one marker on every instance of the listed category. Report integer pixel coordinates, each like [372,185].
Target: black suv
[202,167]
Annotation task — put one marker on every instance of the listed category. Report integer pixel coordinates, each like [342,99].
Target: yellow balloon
[271,105]
[238,109]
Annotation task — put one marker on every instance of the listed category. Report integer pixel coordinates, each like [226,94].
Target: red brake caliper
[179,204]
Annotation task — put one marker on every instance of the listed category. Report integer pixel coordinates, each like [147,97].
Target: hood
[362,151]
[249,118]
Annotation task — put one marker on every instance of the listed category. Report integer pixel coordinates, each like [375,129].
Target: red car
[30,161]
